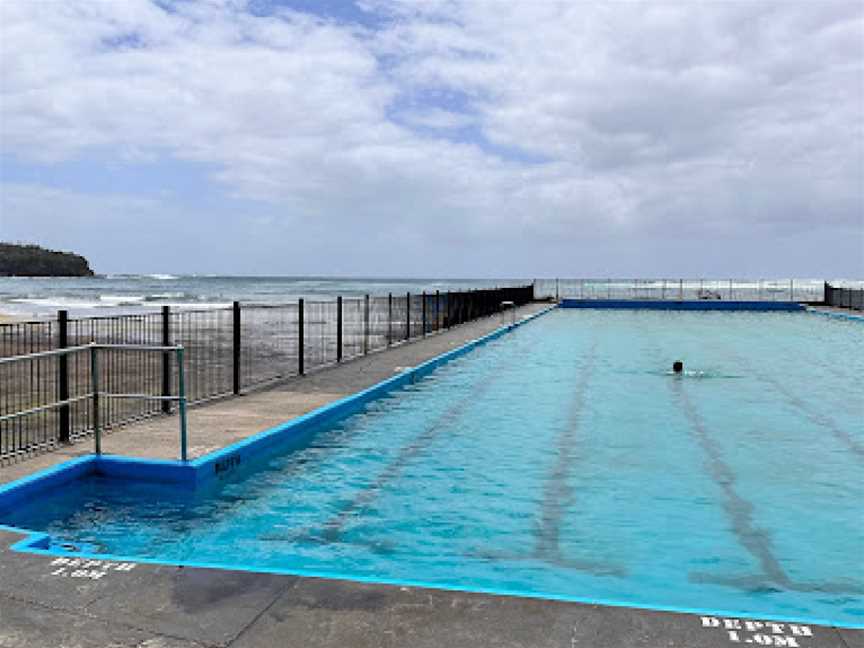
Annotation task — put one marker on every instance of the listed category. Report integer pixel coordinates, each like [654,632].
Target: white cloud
[599,120]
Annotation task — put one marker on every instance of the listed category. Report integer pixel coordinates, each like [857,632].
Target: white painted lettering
[733,636]
[800,630]
[753,626]
[710,622]
[788,642]
[732,624]
[776,628]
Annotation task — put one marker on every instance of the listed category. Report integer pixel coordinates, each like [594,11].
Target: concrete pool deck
[48,601]
[63,602]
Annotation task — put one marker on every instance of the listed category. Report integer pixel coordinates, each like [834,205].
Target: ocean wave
[168,295]
[162,277]
[121,300]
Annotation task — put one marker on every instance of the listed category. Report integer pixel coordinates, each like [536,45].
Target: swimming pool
[560,460]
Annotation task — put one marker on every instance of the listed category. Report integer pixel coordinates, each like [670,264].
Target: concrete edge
[835,314]
[691,304]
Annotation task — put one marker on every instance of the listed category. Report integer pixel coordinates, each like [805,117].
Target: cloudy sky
[437,137]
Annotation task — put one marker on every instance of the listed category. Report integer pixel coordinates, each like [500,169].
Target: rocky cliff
[34,261]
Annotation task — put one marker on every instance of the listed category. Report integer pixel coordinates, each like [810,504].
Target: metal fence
[851,298]
[227,351]
[681,289]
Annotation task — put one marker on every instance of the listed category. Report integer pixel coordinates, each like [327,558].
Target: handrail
[90,345]
[95,394]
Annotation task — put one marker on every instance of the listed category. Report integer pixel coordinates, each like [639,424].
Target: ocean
[40,297]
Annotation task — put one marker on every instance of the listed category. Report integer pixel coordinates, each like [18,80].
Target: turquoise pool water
[560,460]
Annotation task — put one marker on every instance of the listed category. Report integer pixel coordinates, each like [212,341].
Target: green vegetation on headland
[34,261]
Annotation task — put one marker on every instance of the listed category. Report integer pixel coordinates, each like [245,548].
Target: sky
[437,138]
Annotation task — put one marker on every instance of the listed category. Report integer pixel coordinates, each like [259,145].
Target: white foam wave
[120,300]
[168,295]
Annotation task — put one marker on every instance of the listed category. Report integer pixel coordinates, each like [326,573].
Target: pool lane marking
[756,541]
[817,418]
[558,494]
[332,529]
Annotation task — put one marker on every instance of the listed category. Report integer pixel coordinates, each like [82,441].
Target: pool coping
[835,314]
[203,470]
[683,304]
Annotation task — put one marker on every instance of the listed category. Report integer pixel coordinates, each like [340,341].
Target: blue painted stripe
[147,470]
[836,315]
[689,305]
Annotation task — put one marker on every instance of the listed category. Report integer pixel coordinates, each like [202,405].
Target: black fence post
[389,319]
[423,314]
[301,352]
[437,310]
[408,316]
[365,324]
[236,331]
[64,429]
[166,358]
[339,328]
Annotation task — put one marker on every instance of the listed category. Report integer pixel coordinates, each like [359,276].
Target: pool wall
[689,305]
[837,315]
[196,473]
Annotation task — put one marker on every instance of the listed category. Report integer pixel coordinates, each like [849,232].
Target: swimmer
[678,367]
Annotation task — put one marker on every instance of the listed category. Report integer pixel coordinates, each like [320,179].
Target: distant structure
[33,261]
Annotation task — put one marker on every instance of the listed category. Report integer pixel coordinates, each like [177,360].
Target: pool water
[560,460]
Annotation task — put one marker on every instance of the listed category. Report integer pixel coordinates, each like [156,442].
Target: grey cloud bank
[453,138]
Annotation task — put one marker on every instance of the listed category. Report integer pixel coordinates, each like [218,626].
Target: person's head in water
[678,366]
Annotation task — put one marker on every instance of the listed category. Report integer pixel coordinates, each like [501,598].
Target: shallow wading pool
[560,460]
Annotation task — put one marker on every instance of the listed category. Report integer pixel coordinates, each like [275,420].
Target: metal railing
[227,351]
[795,290]
[27,417]
[851,298]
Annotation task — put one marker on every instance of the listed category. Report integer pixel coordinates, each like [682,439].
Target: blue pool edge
[836,315]
[685,304]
